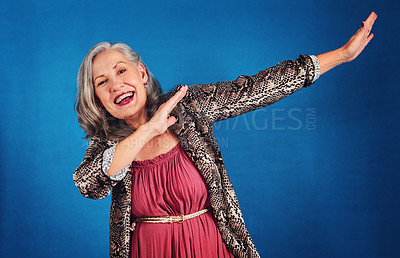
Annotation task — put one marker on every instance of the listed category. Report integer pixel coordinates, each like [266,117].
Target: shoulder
[196,95]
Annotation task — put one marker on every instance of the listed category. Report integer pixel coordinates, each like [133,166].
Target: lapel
[195,136]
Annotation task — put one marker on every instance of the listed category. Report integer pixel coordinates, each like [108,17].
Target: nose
[116,85]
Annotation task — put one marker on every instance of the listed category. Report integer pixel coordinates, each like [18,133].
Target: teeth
[120,98]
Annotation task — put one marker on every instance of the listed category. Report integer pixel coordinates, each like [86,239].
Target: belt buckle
[181,218]
[132,227]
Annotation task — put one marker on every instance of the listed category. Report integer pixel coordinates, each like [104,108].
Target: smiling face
[119,85]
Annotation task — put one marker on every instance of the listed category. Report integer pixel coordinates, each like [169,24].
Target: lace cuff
[317,67]
[108,156]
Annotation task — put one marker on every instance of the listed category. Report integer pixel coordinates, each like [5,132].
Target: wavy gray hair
[91,116]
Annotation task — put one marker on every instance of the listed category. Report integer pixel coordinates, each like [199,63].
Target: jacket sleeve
[89,177]
[224,100]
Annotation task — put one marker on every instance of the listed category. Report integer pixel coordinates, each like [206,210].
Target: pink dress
[171,185]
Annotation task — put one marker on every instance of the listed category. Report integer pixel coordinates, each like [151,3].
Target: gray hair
[92,117]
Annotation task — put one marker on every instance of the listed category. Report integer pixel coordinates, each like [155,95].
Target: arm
[95,176]
[228,99]
[224,100]
[127,149]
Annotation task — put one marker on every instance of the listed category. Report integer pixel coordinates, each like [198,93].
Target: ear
[142,70]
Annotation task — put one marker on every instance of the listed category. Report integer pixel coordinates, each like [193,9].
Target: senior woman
[171,195]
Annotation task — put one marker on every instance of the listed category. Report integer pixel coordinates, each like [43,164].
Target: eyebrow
[112,68]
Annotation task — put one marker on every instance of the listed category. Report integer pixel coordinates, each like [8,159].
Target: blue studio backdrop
[316,173]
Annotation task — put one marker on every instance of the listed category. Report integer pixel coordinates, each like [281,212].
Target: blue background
[316,174]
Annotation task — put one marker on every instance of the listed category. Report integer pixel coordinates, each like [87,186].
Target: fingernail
[363,24]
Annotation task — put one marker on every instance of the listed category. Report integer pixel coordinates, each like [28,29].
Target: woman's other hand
[352,48]
[358,42]
[161,120]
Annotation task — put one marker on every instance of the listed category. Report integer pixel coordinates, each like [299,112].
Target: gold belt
[168,219]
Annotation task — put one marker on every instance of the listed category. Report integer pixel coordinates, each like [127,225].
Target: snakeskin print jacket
[196,112]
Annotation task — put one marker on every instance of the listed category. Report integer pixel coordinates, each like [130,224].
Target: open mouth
[124,98]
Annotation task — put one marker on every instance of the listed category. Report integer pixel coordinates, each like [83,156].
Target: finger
[371,18]
[365,43]
[369,38]
[365,30]
[361,34]
[171,120]
[369,23]
[171,103]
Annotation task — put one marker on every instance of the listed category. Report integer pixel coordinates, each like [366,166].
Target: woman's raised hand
[161,120]
[352,48]
[127,149]
[358,42]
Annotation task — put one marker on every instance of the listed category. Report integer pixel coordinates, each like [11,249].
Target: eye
[122,71]
[101,83]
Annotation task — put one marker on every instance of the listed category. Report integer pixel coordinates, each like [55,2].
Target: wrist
[148,130]
[342,55]
[332,59]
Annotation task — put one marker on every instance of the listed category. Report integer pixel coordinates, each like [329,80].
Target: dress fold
[170,185]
